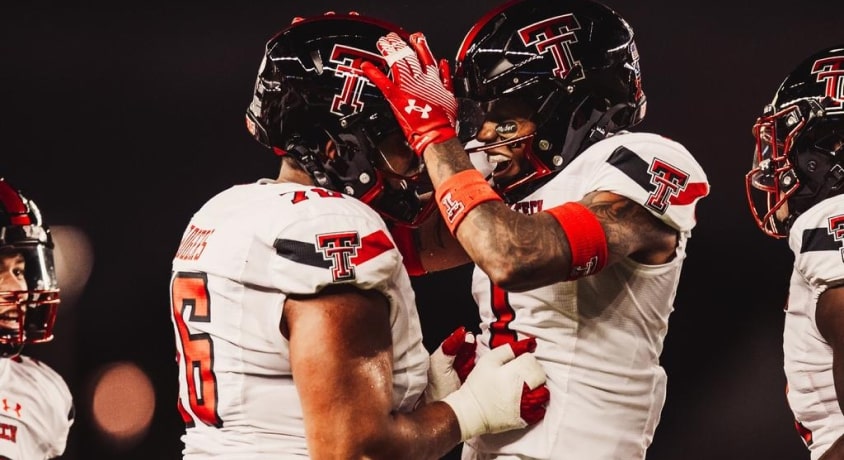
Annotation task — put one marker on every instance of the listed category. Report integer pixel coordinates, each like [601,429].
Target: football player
[295,321]
[794,190]
[37,410]
[578,227]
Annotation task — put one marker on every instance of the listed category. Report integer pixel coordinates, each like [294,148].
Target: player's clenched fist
[419,92]
[504,391]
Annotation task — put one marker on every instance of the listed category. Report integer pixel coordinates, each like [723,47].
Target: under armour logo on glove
[411,106]
[419,85]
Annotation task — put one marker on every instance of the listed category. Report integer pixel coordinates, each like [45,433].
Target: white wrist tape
[490,399]
[398,55]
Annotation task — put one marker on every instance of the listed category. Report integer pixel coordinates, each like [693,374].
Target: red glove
[533,401]
[449,364]
[461,345]
[419,92]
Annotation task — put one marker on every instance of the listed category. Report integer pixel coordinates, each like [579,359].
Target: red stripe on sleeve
[692,192]
[372,246]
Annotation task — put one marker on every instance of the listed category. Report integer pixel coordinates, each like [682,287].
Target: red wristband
[458,194]
[403,237]
[586,237]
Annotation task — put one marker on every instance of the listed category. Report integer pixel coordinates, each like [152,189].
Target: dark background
[121,120]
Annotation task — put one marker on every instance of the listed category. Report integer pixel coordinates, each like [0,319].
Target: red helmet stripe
[298,21]
[13,204]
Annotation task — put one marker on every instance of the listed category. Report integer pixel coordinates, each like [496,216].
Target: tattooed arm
[520,252]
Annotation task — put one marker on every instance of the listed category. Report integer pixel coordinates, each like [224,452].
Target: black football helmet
[310,92]
[799,156]
[29,293]
[573,62]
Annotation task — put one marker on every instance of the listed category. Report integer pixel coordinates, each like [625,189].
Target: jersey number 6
[191,304]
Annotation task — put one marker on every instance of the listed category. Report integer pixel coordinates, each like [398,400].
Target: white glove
[498,391]
[449,364]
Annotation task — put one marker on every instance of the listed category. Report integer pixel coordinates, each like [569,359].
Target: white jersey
[816,241]
[600,337]
[242,254]
[36,410]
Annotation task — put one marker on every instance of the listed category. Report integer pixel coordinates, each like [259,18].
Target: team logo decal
[669,181]
[348,61]
[452,207]
[339,249]
[555,35]
[507,129]
[830,71]
[584,270]
[8,432]
[835,227]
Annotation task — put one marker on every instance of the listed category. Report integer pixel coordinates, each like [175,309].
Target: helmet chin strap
[8,350]
[602,127]
[833,184]
[578,139]
[308,159]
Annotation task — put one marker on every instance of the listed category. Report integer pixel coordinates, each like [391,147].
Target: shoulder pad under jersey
[817,240]
[344,243]
[652,170]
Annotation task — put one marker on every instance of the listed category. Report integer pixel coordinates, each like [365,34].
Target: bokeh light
[122,403]
[74,259]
